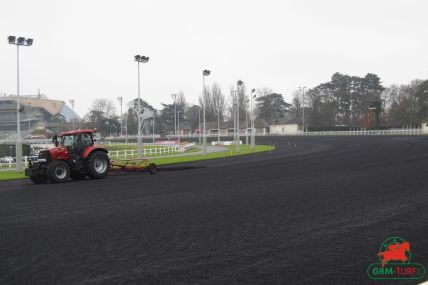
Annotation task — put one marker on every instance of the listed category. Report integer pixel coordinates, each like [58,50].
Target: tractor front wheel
[98,165]
[58,171]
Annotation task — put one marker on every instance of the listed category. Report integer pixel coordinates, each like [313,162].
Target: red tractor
[75,156]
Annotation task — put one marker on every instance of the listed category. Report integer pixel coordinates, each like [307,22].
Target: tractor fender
[91,149]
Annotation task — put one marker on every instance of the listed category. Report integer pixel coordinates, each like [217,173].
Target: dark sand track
[314,211]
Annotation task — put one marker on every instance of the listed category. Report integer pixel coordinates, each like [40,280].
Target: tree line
[343,101]
[103,112]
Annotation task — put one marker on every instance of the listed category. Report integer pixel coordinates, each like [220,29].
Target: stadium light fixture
[139,59]
[11,39]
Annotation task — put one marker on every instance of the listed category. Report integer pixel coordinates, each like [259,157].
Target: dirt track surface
[314,211]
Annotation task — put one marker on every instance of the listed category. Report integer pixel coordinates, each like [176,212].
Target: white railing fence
[391,132]
[110,143]
[404,132]
[146,152]
[9,162]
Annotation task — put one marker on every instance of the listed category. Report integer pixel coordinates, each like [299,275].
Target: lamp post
[238,84]
[233,92]
[153,132]
[72,107]
[302,90]
[139,59]
[178,125]
[120,99]
[126,128]
[246,121]
[18,147]
[29,116]
[253,131]
[199,130]
[204,73]
[218,122]
[174,97]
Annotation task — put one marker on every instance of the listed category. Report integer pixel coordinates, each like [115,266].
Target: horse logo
[395,262]
[395,251]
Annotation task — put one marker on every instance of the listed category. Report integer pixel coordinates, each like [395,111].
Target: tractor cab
[77,141]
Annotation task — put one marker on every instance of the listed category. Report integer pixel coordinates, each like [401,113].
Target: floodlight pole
[253,131]
[204,147]
[153,136]
[120,99]
[199,126]
[18,146]
[139,59]
[178,125]
[234,114]
[174,97]
[218,122]
[302,89]
[246,121]
[139,140]
[238,145]
[126,128]
[72,107]
[29,116]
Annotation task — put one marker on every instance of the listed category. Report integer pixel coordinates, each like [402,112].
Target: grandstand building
[37,112]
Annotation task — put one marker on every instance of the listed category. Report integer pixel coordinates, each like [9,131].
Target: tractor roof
[78,132]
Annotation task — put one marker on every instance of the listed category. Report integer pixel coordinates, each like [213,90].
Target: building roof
[258,123]
[53,107]
[286,121]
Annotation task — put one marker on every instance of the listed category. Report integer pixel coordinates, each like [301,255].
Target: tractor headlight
[41,160]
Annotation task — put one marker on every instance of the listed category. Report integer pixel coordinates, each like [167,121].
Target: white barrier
[132,153]
[186,147]
[11,161]
[225,142]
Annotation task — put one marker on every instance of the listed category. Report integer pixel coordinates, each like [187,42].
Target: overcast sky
[84,49]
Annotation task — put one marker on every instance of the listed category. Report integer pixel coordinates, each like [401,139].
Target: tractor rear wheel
[98,165]
[58,171]
[38,179]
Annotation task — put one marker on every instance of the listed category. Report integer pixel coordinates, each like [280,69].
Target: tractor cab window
[87,140]
[68,140]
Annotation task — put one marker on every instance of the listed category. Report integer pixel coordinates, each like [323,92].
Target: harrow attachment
[133,165]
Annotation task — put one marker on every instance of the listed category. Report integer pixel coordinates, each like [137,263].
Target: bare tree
[264,91]
[296,104]
[213,98]
[103,106]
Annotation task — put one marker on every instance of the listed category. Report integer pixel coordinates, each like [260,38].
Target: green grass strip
[11,175]
[244,150]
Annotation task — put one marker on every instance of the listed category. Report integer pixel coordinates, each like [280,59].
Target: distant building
[37,112]
[425,127]
[285,126]
[226,128]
